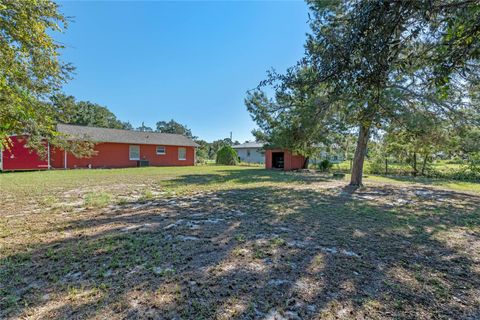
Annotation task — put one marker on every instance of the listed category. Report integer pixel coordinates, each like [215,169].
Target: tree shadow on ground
[247,176]
[254,252]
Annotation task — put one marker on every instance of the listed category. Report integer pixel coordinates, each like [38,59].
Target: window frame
[185,149]
[130,147]
[162,153]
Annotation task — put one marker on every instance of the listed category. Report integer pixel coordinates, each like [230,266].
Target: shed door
[278,161]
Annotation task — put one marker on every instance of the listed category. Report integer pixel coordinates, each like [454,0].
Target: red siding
[268,159]
[296,161]
[116,155]
[109,155]
[19,157]
[291,161]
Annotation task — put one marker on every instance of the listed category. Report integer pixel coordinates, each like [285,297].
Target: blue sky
[188,61]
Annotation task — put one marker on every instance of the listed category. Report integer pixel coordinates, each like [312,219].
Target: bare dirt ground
[292,247]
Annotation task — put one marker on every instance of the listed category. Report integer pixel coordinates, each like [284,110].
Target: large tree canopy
[369,64]
[297,118]
[85,113]
[30,68]
[174,127]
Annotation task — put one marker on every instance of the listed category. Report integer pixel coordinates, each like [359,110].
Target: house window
[182,154]
[248,153]
[134,152]
[161,150]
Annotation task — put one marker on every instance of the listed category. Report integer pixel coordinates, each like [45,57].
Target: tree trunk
[415,171]
[305,163]
[346,150]
[386,165]
[359,157]
[424,164]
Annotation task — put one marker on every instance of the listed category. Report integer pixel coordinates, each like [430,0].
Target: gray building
[251,152]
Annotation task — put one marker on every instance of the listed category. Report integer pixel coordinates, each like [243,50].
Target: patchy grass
[236,242]
[97,200]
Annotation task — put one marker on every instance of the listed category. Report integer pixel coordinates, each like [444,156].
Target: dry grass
[234,242]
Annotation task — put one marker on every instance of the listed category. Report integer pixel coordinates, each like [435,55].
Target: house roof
[96,134]
[248,145]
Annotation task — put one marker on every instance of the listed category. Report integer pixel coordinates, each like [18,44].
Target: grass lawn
[213,242]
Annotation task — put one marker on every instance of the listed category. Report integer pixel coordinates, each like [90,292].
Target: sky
[188,61]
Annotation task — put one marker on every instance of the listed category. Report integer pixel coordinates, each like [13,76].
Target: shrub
[474,162]
[376,165]
[325,165]
[227,156]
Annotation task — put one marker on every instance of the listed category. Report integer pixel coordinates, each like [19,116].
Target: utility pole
[231,136]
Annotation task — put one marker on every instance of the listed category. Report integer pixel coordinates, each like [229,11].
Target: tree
[207,150]
[296,119]
[393,58]
[202,150]
[346,140]
[144,128]
[416,139]
[216,145]
[174,127]
[126,125]
[85,113]
[369,62]
[30,69]
[466,144]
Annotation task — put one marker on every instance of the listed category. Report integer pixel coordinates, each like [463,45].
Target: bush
[325,165]
[474,162]
[376,166]
[462,174]
[227,156]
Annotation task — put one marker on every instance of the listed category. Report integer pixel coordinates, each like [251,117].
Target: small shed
[283,159]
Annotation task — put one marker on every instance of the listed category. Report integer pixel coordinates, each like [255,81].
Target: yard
[217,242]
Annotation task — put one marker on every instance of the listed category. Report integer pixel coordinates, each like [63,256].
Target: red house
[114,148]
[283,159]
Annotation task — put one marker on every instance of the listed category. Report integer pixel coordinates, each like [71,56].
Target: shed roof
[248,145]
[96,134]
